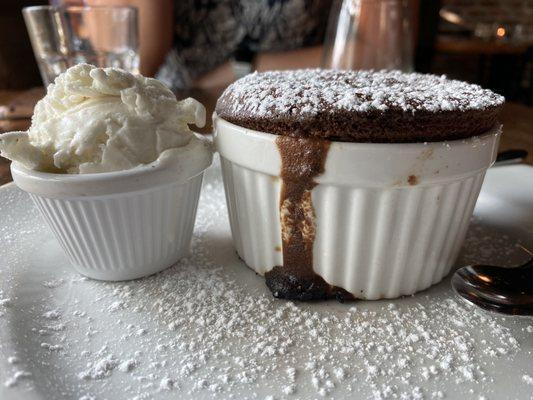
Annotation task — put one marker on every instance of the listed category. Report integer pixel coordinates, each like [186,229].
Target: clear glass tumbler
[65,36]
[369,34]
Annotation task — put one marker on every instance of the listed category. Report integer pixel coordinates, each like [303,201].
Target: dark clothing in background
[209,32]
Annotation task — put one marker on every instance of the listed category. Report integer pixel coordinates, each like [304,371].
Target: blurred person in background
[195,43]
[207,44]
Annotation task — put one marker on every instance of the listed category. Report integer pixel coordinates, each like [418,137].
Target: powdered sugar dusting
[208,328]
[100,368]
[16,378]
[303,94]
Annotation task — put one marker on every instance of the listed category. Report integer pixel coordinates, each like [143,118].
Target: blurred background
[198,47]
[484,41]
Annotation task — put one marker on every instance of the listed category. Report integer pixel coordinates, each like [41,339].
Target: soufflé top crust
[360,106]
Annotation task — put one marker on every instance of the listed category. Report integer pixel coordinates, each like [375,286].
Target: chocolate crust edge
[393,126]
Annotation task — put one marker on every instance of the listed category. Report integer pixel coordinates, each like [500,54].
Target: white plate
[208,327]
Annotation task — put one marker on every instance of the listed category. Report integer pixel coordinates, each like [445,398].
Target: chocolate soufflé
[360,106]
[308,109]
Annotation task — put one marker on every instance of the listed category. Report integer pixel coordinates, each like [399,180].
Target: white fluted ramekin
[118,225]
[390,217]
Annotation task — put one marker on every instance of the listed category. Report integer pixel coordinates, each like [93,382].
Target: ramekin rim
[162,172]
[153,167]
[96,177]
[93,176]
[52,186]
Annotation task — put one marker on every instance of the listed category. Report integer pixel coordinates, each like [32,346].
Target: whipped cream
[106,119]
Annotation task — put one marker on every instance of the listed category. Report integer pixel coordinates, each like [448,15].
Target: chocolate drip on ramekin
[302,160]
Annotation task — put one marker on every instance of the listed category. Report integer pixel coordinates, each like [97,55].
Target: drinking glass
[369,34]
[65,36]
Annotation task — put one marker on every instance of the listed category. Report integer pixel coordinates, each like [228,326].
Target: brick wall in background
[516,16]
[506,23]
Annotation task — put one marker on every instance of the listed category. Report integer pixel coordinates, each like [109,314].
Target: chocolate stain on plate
[302,160]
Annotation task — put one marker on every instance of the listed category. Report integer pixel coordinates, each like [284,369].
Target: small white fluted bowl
[118,225]
[390,217]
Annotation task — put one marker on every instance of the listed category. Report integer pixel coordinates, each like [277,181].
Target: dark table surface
[16,109]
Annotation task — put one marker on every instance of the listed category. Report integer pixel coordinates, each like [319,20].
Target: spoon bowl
[504,290]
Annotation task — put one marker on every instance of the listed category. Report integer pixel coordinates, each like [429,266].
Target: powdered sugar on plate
[208,327]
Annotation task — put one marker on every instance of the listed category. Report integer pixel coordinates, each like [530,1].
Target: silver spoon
[500,289]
